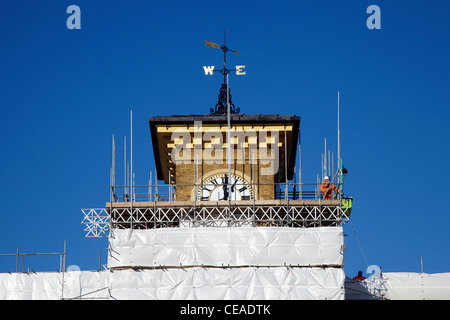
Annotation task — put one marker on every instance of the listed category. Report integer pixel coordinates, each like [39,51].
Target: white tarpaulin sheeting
[244,246]
[182,284]
[50,285]
[410,286]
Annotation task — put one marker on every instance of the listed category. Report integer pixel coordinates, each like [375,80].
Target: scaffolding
[155,209]
[18,255]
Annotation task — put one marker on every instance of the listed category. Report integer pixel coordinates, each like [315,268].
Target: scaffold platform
[183,214]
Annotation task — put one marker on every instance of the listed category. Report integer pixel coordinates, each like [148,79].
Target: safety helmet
[326,178]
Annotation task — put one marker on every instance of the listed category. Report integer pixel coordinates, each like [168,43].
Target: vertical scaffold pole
[229,145]
[131,168]
[299,165]
[124,167]
[339,164]
[63,271]
[286,188]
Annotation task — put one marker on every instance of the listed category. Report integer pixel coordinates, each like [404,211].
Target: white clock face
[216,188]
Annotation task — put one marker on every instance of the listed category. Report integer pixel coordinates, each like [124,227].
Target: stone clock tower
[191,152]
[235,225]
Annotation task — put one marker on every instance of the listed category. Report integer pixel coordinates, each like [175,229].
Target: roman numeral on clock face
[215,188]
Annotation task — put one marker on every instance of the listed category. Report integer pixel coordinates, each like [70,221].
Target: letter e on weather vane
[240,70]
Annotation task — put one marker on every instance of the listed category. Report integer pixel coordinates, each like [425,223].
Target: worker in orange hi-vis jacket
[327,188]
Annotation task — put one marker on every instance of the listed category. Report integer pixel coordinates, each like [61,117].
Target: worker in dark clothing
[359,277]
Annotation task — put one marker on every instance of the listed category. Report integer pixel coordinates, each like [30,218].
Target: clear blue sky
[64,93]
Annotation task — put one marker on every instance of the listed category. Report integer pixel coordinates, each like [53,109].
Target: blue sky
[64,93]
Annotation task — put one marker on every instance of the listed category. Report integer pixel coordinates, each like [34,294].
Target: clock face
[216,188]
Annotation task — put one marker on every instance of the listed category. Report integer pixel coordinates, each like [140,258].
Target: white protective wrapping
[244,246]
[231,283]
[410,286]
[250,283]
[49,285]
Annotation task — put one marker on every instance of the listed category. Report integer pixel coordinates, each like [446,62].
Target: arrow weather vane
[220,107]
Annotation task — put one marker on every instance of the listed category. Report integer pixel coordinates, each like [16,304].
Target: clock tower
[191,152]
[235,223]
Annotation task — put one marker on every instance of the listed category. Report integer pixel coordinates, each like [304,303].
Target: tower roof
[221,121]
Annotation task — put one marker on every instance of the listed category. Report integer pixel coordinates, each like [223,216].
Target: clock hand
[225,192]
[225,188]
[233,185]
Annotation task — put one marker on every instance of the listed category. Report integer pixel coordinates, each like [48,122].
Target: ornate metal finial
[221,106]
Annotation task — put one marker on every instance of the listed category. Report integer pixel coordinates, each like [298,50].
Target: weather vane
[221,106]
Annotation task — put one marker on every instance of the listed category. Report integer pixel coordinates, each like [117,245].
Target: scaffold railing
[167,192]
[293,205]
